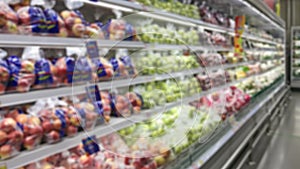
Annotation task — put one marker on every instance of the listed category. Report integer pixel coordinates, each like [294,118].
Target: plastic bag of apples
[11,138]
[31,127]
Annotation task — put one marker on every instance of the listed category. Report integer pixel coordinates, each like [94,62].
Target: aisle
[284,149]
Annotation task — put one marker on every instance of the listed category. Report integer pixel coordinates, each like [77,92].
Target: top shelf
[150,12]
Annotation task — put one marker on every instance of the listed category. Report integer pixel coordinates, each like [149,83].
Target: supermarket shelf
[8,40]
[158,14]
[205,157]
[186,47]
[115,124]
[22,98]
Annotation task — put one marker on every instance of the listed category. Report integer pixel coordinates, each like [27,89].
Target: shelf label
[90,145]
[92,48]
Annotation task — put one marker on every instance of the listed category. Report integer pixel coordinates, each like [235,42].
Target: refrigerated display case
[294,57]
[171,76]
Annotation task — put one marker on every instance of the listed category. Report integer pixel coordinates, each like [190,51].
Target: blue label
[60,114]
[14,64]
[82,71]
[51,21]
[92,49]
[93,94]
[100,68]
[70,63]
[90,145]
[114,111]
[4,64]
[141,98]
[43,72]
[115,64]
[37,19]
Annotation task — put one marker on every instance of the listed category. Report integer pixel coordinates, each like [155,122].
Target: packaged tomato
[11,137]
[8,19]
[32,19]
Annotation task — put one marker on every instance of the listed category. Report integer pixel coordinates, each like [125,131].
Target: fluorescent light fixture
[108,5]
[160,17]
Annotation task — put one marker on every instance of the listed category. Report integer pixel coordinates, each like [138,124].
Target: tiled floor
[284,150]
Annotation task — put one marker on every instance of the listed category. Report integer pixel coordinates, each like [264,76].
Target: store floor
[284,150]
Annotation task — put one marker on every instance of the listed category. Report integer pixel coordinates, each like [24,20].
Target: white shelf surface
[31,96]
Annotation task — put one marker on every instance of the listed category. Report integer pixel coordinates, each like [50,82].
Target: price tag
[90,145]
[93,94]
[92,49]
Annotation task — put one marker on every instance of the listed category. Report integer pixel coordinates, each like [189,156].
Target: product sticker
[115,64]
[93,94]
[92,49]
[43,72]
[90,145]
[14,64]
[51,21]
[37,19]
[70,63]
[61,116]
[100,67]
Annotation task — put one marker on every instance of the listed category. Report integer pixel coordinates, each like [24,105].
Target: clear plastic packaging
[11,138]
[74,23]
[22,73]
[101,69]
[4,71]
[8,19]
[121,106]
[31,127]
[88,114]
[136,101]
[65,69]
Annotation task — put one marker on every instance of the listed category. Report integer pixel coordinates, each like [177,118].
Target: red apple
[71,130]
[22,118]
[5,151]
[3,137]
[47,126]
[29,142]
[8,125]
[78,29]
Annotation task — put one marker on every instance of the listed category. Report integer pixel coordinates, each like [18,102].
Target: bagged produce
[88,114]
[4,72]
[106,102]
[102,69]
[120,105]
[22,74]
[32,19]
[54,124]
[74,22]
[114,29]
[11,138]
[129,66]
[118,67]
[8,19]
[54,23]
[136,101]
[31,127]
[65,69]
[45,73]
[73,120]
[94,31]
